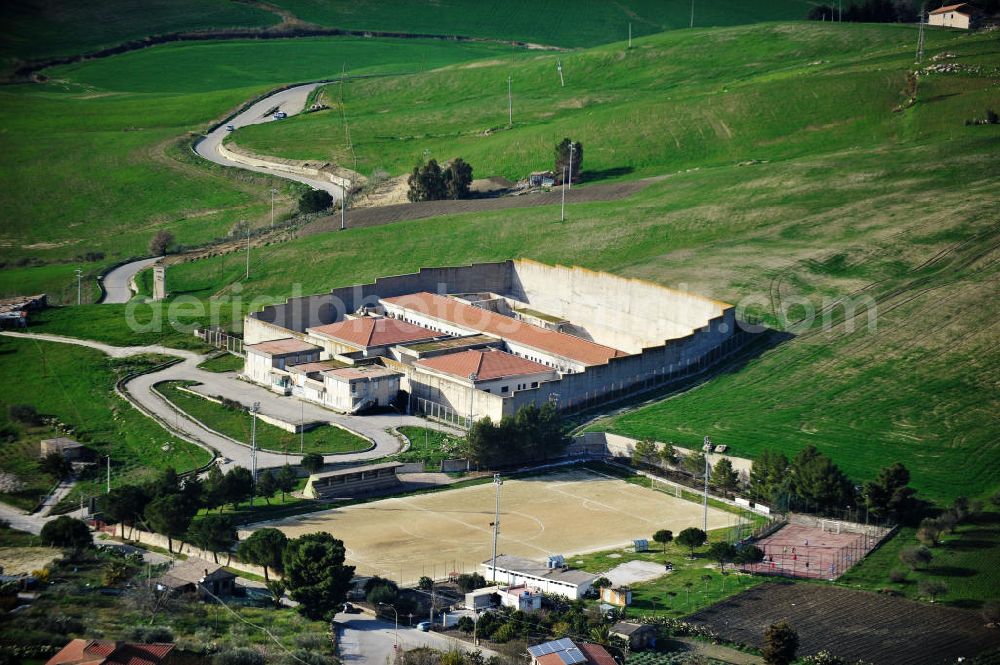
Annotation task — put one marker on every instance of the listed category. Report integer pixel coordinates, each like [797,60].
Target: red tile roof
[367,332]
[536,337]
[486,364]
[549,659]
[596,654]
[106,652]
[280,347]
[951,8]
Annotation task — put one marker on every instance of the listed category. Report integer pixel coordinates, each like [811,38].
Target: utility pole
[302,426]
[692,13]
[498,482]
[706,448]
[840,11]
[562,82]
[79,288]
[273,192]
[248,247]
[572,150]
[253,451]
[920,37]
[510,103]
[109,475]
[630,35]
[343,206]
[562,210]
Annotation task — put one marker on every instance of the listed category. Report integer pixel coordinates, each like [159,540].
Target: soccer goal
[667,487]
[830,526]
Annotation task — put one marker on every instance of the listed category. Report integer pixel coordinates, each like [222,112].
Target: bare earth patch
[18,560]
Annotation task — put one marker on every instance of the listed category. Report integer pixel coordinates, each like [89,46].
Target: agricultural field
[855,625]
[237,424]
[75,385]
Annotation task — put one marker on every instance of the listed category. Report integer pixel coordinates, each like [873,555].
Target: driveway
[139,391]
[118,282]
[291,101]
[365,639]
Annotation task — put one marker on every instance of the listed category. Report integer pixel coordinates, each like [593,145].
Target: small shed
[68,448]
[195,576]
[641,545]
[620,596]
[639,636]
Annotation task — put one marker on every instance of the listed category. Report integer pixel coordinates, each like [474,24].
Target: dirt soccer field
[564,512]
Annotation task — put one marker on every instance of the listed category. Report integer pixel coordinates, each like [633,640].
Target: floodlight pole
[253,451]
[498,482]
[302,426]
[708,443]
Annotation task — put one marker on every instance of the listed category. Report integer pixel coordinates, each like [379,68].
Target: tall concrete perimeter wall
[626,314]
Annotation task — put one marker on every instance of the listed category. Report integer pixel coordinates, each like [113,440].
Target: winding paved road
[118,282]
[139,391]
[291,101]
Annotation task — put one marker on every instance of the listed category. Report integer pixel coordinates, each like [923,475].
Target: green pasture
[583,24]
[225,362]
[76,385]
[677,100]
[429,446]
[325,439]
[98,159]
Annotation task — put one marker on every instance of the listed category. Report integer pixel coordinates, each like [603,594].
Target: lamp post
[395,644]
[253,451]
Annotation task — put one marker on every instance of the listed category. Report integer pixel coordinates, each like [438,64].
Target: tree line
[533,434]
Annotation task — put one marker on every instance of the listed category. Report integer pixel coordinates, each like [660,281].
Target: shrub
[239,656]
[25,414]
[149,634]
[159,243]
[312,462]
[897,576]
[469,582]
[504,633]
[933,588]
[315,200]
[425,583]
[65,531]
[382,594]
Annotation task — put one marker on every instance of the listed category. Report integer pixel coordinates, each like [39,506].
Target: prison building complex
[464,343]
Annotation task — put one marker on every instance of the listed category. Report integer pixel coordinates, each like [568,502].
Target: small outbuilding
[195,576]
[352,482]
[68,448]
[620,596]
[639,636]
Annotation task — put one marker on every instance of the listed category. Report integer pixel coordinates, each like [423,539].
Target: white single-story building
[962,16]
[550,576]
[352,389]
[524,598]
[277,354]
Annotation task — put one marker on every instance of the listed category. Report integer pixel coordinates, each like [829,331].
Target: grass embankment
[677,100]
[237,424]
[225,362]
[967,561]
[25,485]
[76,385]
[100,131]
[429,446]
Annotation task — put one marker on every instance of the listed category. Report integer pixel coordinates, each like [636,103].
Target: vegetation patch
[224,362]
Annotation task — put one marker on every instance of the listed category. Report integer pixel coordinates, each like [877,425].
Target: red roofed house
[373,335]
[962,15]
[277,354]
[107,652]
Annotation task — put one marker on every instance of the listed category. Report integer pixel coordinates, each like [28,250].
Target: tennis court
[564,512]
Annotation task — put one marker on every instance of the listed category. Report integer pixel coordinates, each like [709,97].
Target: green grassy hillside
[852,196]
[584,23]
[678,100]
[96,160]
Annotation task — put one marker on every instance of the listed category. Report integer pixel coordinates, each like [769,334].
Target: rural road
[139,390]
[291,101]
[118,282]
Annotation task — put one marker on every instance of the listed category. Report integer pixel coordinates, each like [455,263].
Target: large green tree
[237,485]
[724,476]
[266,486]
[426,183]
[316,575]
[780,644]
[285,480]
[768,476]
[563,158]
[458,179]
[533,434]
[213,533]
[889,494]
[170,515]
[123,505]
[68,532]
[691,538]
[817,484]
[265,548]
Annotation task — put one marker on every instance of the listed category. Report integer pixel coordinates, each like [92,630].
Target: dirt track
[364,217]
